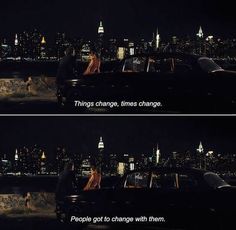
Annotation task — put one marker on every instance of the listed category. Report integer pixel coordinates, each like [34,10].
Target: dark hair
[94,167]
[69,50]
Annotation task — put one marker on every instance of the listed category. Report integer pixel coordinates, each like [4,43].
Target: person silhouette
[94,181]
[94,64]
[67,184]
[67,69]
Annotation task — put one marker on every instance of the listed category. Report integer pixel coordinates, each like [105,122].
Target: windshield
[208,65]
[214,180]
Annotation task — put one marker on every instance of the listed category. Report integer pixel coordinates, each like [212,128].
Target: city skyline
[120,135]
[121,18]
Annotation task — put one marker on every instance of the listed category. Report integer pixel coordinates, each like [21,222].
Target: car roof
[172,169]
[168,54]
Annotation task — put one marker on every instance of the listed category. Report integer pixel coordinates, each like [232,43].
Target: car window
[134,64]
[157,65]
[137,180]
[164,181]
[168,65]
[187,182]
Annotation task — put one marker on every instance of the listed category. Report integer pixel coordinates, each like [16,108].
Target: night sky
[124,18]
[121,134]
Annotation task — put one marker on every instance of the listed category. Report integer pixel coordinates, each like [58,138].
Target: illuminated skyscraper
[157,40]
[101,144]
[156,156]
[16,162]
[16,155]
[200,148]
[101,160]
[201,158]
[101,28]
[43,53]
[43,163]
[200,33]
[100,42]
[16,48]
[16,42]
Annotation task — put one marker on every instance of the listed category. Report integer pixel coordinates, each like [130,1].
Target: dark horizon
[134,135]
[122,19]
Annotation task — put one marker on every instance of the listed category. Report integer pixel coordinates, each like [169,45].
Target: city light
[32,45]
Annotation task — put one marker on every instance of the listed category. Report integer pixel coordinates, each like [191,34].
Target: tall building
[16,41]
[25,165]
[43,169]
[100,42]
[200,148]
[6,166]
[200,33]
[85,51]
[61,44]
[101,161]
[201,158]
[113,164]
[6,49]
[158,155]
[35,44]
[200,49]
[16,50]
[112,49]
[43,52]
[86,163]
[157,43]
[16,162]
[61,159]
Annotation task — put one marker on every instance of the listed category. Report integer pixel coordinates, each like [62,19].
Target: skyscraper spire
[43,157]
[43,41]
[158,154]
[100,144]
[16,40]
[16,155]
[200,33]
[100,28]
[157,39]
[200,148]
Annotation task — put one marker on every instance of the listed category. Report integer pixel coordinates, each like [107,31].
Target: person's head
[69,166]
[95,169]
[93,53]
[70,51]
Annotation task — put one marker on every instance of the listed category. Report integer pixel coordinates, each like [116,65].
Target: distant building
[43,168]
[200,33]
[102,160]
[61,43]
[85,51]
[156,40]
[61,159]
[100,42]
[43,50]
[156,156]
[86,166]
[201,158]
